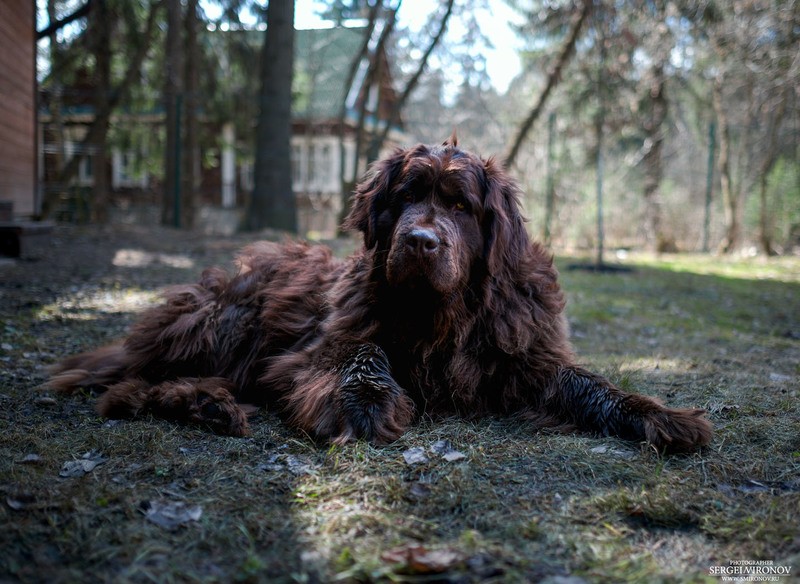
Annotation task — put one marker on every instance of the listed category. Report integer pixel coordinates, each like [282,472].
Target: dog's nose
[422,241]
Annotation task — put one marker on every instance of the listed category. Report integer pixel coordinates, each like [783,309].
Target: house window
[298,166]
[85,175]
[126,167]
[247,174]
[320,166]
[86,171]
[125,173]
[314,165]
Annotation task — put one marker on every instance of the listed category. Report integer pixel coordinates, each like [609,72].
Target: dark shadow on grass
[600,268]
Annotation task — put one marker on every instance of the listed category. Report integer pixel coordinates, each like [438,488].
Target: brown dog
[449,308]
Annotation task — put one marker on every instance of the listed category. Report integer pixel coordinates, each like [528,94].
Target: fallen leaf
[445,449]
[29,459]
[454,455]
[441,447]
[435,561]
[297,465]
[86,464]
[45,401]
[417,559]
[415,456]
[171,514]
[625,454]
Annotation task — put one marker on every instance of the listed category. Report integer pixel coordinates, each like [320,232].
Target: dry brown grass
[519,507]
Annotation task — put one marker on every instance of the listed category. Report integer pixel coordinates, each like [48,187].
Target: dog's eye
[459,205]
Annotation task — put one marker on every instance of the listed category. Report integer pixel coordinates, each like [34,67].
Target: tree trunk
[767,164]
[171,202]
[56,98]
[191,152]
[599,122]
[653,164]
[601,232]
[273,201]
[550,194]
[101,25]
[729,199]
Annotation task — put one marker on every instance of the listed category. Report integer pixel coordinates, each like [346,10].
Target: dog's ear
[372,197]
[505,238]
[522,278]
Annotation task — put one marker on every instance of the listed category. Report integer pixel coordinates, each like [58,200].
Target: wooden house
[325,117]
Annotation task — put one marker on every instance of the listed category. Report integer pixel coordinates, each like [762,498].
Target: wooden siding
[17,101]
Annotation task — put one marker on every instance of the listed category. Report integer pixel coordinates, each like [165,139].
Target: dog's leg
[205,401]
[371,403]
[592,403]
[350,394]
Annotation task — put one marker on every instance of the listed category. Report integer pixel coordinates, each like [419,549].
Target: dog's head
[438,214]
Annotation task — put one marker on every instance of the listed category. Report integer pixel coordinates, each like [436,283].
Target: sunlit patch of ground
[137,258]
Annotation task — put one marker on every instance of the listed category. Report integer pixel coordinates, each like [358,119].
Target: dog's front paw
[214,405]
[677,430]
[370,403]
[223,414]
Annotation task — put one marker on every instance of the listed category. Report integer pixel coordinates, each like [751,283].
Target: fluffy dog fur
[449,308]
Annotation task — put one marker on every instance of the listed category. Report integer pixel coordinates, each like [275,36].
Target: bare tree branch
[394,116]
[54,27]
[552,81]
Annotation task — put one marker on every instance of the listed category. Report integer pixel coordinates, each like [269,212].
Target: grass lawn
[87,500]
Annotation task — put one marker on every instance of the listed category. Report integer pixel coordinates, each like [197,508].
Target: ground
[84,499]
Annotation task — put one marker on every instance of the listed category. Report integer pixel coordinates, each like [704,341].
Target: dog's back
[223,326]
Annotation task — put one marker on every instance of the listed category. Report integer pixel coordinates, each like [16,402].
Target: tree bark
[767,164]
[101,25]
[191,154]
[56,25]
[171,201]
[273,201]
[729,199]
[56,98]
[653,161]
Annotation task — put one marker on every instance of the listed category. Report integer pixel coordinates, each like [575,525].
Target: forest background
[667,125]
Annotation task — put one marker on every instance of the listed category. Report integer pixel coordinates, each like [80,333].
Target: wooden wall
[17,106]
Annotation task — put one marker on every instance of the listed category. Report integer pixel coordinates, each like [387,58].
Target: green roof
[322,62]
